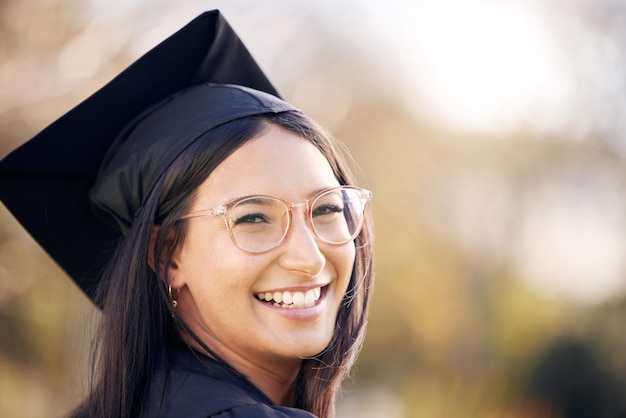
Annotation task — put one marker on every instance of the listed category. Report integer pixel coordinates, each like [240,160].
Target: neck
[276,379]
[279,387]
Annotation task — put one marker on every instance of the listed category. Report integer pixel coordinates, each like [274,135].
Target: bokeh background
[492,134]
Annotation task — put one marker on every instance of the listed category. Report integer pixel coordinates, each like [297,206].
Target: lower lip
[306,313]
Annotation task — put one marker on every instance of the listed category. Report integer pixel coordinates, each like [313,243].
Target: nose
[300,250]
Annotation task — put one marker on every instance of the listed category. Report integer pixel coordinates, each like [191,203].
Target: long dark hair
[138,321]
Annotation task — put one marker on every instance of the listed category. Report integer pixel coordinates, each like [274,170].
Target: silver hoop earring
[174,301]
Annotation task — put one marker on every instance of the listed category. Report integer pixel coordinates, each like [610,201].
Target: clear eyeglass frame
[355,198]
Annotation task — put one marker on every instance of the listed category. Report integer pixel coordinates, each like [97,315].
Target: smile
[288,299]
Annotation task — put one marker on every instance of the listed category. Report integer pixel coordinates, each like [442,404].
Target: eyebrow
[310,195]
[252,200]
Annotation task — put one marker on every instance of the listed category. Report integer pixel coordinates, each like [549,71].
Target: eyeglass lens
[260,223]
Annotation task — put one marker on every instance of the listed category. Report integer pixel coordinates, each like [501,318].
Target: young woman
[239,285]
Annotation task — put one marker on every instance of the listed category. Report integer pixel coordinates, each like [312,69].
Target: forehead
[277,162]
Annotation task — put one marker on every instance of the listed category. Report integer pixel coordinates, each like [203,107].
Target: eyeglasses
[260,223]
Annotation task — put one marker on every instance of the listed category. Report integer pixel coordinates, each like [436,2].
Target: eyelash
[326,209]
[246,219]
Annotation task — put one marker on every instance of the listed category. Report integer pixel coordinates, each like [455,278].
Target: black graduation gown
[187,387]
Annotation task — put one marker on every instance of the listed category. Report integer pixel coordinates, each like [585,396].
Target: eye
[327,209]
[251,218]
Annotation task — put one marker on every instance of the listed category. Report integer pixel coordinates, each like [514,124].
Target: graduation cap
[88,171]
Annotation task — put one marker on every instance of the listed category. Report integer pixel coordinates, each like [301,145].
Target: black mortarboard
[61,183]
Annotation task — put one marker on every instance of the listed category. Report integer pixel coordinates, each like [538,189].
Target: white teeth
[298,299]
[289,299]
[309,298]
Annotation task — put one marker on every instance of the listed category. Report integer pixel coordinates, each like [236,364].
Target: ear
[153,234]
[151,261]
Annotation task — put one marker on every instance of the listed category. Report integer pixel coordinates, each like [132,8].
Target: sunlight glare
[485,65]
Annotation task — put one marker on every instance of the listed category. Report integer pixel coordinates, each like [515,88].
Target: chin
[312,349]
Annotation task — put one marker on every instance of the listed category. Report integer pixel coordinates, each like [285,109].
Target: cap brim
[45,182]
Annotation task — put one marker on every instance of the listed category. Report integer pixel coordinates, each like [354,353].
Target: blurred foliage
[457,328]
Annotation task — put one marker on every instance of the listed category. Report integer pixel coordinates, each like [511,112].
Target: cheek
[203,250]
[195,266]
[210,272]
[216,273]
[214,287]
[342,259]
